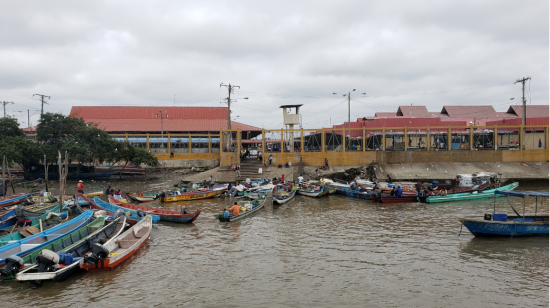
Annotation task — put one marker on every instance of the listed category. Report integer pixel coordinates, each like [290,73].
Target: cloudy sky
[146,53]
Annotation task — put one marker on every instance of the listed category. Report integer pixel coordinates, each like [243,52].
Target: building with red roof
[125,119]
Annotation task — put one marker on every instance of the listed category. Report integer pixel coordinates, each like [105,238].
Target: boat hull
[471,196]
[480,227]
[193,196]
[391,199]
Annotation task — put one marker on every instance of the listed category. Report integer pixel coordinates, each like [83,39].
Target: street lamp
[349,101]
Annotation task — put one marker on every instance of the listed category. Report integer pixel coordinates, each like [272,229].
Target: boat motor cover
[15,259]
[50,255]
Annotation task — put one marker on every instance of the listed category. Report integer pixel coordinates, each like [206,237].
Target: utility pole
[524,113]
[5,103]
[349,105]
[43,102]
[229,90]
[28,118]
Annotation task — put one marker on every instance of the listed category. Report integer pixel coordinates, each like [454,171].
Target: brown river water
[328,252]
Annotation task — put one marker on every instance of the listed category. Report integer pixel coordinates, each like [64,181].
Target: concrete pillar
[169,144]
[126,137]
[546,137]
[405,139]
[263,146]
[521,137]
[209,144]
[471,137]
[147,141]
[428,139]
[282,141]
[302,140]
[364,140]
[495,138]
[449,139]
[239,141]
[189,144]
[383,139]
[323,140]
[344,140]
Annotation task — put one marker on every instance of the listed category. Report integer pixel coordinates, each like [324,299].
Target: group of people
[117,194]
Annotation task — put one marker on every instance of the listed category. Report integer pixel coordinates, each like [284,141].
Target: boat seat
[24,247]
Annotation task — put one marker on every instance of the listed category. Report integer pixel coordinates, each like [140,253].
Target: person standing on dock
[238,170]
[270,159]
[80,187]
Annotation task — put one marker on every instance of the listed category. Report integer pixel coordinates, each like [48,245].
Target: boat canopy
[523,194]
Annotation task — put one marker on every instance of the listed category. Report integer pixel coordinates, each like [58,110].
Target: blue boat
[7,219]
[29,244]
[510,225]
[12,200]
[129,212]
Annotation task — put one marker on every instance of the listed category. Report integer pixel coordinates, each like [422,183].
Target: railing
[302,141]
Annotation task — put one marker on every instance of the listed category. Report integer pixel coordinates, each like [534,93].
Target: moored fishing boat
[107,256]
[12,233]
[29,244]
[132,214]
[311,191]
[189,196]
[35,210]
[397,199]
[250,207]
[471,195]
[12,200]
[63,242]
[509,225]
[94,207]
[7,219]
[141,197]
[70,255]
[165,215]
[282,194]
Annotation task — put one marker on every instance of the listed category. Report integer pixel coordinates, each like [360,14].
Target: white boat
[472,179]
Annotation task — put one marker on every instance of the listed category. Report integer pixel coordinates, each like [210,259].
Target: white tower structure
[291,118]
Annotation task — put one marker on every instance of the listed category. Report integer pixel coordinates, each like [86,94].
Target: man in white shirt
[300,179]
[248,181]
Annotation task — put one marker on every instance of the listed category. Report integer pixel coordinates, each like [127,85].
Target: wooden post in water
[4,177]
[63,178]
[46,172]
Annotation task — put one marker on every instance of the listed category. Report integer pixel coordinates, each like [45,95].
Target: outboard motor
[47,261]
[13,265]
[140,213]
[119,213]
[99,254]
[28,201]
[233,192]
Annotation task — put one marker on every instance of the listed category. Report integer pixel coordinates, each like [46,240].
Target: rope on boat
[460,229]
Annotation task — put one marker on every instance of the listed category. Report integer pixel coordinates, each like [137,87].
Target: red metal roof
[532,110]
[134,112]
[413,111]
[517,121]
[385,114]
[169,125]
[469,111]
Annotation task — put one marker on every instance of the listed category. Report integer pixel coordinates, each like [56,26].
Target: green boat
[471,195]
[56,246]
[7,235]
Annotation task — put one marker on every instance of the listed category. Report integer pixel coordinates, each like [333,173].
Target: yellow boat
[188,196]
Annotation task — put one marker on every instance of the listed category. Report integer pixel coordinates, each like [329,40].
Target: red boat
[91,205]
[394,199]
[12,200]
[166,215]
[117,250]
